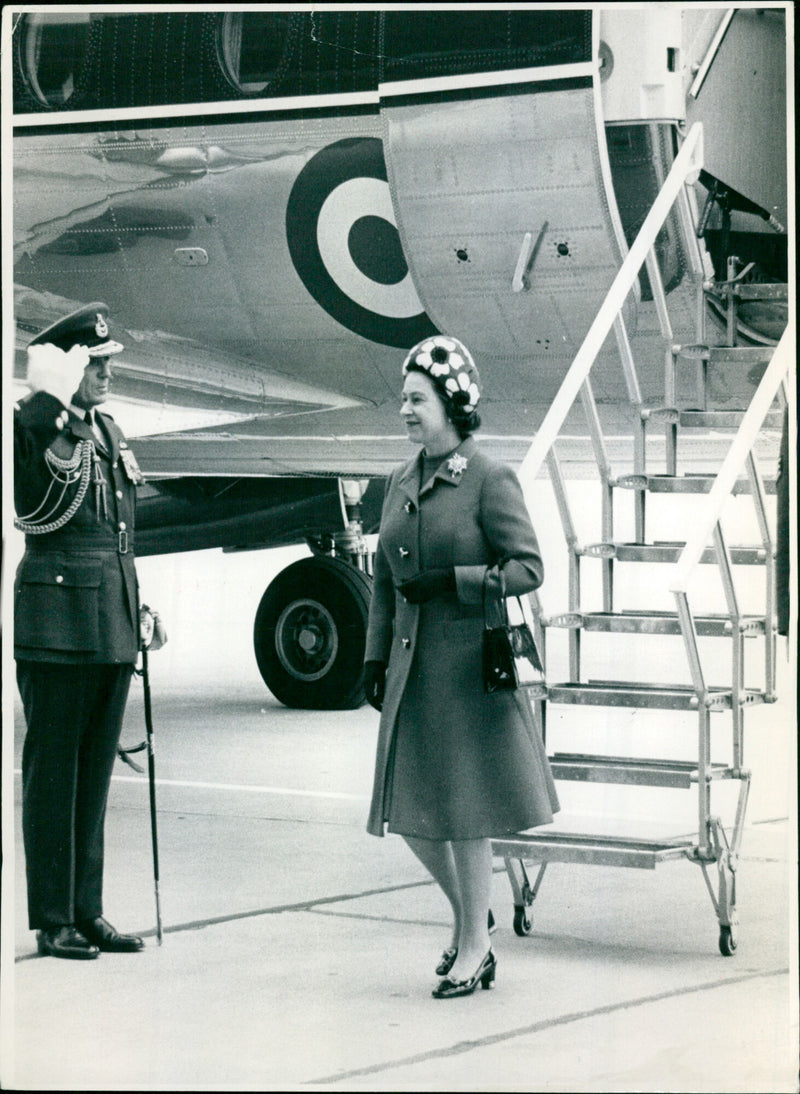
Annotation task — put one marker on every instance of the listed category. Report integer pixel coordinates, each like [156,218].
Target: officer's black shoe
[107,938]
[65,941]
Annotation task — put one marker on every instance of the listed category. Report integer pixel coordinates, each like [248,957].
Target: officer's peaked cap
[88,326]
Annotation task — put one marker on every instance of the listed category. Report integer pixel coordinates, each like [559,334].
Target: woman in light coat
[454,766]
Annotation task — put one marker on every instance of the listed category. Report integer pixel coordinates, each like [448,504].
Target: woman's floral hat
[449,364]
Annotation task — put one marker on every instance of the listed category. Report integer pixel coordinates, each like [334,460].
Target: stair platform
[725,355]
[693,484]
[582,767]
[591,849]
[723,419]
[761,290]
[664,551]
[620,693]
[638,622]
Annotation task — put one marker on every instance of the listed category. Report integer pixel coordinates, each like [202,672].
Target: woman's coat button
[406,643]
[404,552]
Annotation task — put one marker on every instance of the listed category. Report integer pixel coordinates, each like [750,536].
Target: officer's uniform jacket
[76,592]
[453,762]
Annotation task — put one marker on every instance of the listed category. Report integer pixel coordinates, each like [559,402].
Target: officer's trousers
[74,717]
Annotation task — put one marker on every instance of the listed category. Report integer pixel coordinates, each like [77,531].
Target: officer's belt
[120,543]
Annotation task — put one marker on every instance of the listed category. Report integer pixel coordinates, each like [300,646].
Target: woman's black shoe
[449,955]
[65,941]
[484,974]
[448,960]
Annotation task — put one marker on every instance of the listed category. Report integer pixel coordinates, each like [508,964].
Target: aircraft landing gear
[309,634]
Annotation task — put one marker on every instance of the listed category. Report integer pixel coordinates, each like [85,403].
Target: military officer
[76,633]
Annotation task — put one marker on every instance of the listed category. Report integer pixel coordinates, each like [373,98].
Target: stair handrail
[741,446]
[687,163]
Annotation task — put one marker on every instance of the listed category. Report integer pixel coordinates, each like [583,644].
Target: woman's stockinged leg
[437,858]
[473,870]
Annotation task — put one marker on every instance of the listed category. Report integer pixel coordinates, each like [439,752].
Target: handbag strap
[502,606]
[502,603]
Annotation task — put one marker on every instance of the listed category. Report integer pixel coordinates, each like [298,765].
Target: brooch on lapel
[456,465]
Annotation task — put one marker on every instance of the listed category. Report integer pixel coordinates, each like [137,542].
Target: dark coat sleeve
[35,429]
[509,532]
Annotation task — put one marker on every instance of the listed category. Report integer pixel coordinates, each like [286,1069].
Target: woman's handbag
[510,657]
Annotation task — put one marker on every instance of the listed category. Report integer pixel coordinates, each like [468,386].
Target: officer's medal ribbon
[129,465]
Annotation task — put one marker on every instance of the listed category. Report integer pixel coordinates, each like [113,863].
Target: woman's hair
[466,421]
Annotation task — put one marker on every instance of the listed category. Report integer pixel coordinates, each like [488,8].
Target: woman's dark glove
[375,683]
[427,584]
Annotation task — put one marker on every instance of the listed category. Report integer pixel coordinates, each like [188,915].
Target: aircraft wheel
[309,634]
[523,923]
[727,942]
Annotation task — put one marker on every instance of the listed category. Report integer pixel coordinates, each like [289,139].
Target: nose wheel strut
[523,892]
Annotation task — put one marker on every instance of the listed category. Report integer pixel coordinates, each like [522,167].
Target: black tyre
[523,923]
[309,635]
[727,942]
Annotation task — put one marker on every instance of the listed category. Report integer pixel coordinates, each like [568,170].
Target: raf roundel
[344,244]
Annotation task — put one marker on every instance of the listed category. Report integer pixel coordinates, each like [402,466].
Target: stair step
[578,767]
[591,849]
[671,552]
[565,620]
[632,482]
[740,355]
[724,419]
[726,355]
[667,415]
[692,484]
[768,290]
[636,622]
[599,550]
[622,693]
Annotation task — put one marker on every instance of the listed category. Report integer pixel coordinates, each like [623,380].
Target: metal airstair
[714,847]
